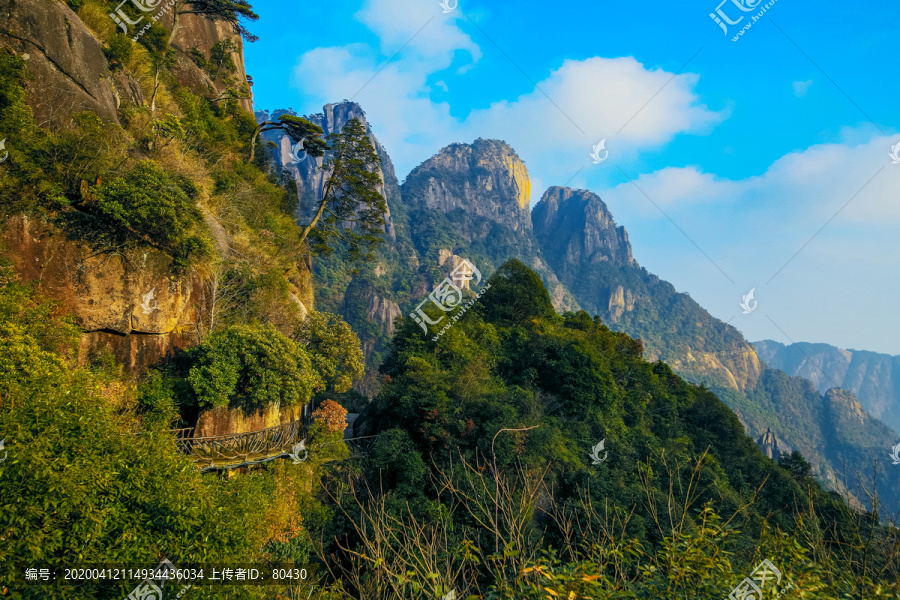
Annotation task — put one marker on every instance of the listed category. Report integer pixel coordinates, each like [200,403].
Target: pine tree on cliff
[229,11]
[350,215]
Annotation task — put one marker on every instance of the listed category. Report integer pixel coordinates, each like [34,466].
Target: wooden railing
[239,449]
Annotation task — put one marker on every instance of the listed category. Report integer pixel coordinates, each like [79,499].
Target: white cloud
[588,99]
[750,227]
[801,87]
[772,223]
[418,26]
[812,185]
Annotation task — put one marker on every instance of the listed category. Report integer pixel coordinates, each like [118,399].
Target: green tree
[333,348]
[350,215]
[150,205]
[351,212]
[516,295]
[298,129]
[80,484]
[251,367]
[797,466]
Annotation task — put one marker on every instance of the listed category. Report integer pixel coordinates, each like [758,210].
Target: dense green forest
[524,454]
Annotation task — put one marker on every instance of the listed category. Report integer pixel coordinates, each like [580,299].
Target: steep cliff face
[472,200]
[593,259]
[576,227]
[69,71]
[872,377]
[126,301]
[201,34]
[856,439]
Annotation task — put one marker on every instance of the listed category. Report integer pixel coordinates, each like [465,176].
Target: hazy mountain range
[872,377]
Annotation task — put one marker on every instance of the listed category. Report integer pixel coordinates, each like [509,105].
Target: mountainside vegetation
[464,203]
[486,477]
[93,476]
[91,471]
[531,451]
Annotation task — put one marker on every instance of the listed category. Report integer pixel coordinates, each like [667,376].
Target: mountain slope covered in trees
[489,440]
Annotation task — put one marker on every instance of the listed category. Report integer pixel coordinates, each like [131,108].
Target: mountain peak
[486,178]
[577,227]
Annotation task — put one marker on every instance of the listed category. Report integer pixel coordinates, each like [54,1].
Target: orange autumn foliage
[332,415]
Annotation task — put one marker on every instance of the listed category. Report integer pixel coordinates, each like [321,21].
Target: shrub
[153,206]
[332,415]
[333,348]
[516,295]
[118,51]
[79,484]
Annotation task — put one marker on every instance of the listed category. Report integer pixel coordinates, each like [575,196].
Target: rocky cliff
[68,69]
[472,200]
[485,179]
[196,34]
[130,299]
[593,259]
[576,227]
[872,377]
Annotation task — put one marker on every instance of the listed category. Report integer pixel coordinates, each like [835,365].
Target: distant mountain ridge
[470,201]
[872,377]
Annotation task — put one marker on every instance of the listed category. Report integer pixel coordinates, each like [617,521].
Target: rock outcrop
[307,173]
[849,423]
[125,301]
[769,445]
[224,421]
[576,227]
[195,32]
[483,188]
[67,67]
[485,179]
[593,259]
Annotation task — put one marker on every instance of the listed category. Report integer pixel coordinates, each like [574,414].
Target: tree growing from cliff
[298,129]
[351,212]
[148,205]
[350,215]
[229,11]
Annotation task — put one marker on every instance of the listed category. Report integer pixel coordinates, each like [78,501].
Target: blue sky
[762,163]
